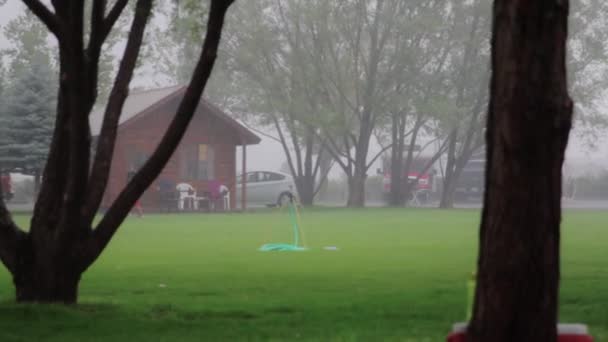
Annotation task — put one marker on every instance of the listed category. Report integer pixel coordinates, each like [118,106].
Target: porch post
[244,179]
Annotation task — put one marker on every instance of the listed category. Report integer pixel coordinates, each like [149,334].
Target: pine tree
[4,139]
[27,118]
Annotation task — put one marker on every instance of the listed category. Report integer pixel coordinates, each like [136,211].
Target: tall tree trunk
[529,120]
[408,185]
[306,186]
[325,164]
[449,182]
[356,191]
[44,274]
[306,189]
[396,188]
[448,195]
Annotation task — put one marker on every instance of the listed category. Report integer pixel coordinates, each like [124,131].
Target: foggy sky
[269,155]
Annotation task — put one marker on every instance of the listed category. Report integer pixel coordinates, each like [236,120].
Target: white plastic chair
[186,192]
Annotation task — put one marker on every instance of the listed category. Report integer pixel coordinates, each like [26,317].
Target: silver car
[266,188]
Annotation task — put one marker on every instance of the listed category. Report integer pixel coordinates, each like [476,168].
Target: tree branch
[291,126]
[45,15]
[284,144]
[336,147]
[113,16]
[94,48]
[258,131]
[155,164]
[335,154]
[107,137]
[317,165]
[97,23]
[323,179]
[101,27]
[432,161]
[384,149]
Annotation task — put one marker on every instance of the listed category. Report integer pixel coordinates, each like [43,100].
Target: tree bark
[306,189]
[530,116]
[44,274]
[409,186]
[396,189]
[449,182]
[356,191]
[306,181]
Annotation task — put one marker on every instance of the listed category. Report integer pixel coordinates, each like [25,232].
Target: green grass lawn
[399,275]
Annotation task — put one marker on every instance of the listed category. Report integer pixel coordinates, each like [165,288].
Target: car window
[275,176]
[252,177]
[265,176]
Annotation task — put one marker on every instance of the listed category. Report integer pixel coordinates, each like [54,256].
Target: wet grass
[398,275]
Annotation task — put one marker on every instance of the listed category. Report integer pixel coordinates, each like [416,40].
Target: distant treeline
[592,186]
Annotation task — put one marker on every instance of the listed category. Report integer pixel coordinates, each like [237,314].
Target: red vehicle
[424,182]
[7,187]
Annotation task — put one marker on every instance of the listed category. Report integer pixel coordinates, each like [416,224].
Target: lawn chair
[186,196]
[219,195]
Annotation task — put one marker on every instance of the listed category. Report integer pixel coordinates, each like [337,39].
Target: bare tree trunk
[306,189]
[307,181]
[356,191]
[45,274]
[396,189]
[449,182]
[325,165]
[449,191]
[530,116]
[409,186]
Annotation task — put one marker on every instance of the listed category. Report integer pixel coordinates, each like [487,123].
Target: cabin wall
[142,135]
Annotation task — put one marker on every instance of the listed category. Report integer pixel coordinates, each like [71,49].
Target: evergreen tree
[27,119]
[28,96]
[4,139]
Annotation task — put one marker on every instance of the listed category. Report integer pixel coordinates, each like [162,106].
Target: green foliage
[307,63]
[28,95]
[399,275]
[587,68]
[27,118]
[28,44]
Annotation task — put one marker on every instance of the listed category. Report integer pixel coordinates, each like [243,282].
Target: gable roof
[140,103]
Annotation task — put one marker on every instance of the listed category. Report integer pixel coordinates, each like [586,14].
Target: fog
[292,65]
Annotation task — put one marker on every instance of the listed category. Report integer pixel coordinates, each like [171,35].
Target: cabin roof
[140,103]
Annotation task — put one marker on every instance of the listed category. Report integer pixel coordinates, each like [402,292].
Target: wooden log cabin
[207,153]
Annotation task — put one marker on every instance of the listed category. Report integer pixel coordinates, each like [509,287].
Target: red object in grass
[566,333]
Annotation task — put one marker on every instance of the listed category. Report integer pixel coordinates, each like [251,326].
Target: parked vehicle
[7,186]
[421,190]
[470,184]
[266,188]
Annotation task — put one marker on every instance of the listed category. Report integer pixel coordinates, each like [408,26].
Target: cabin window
[197,162]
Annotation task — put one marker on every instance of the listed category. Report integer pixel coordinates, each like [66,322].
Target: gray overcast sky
[269,155]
